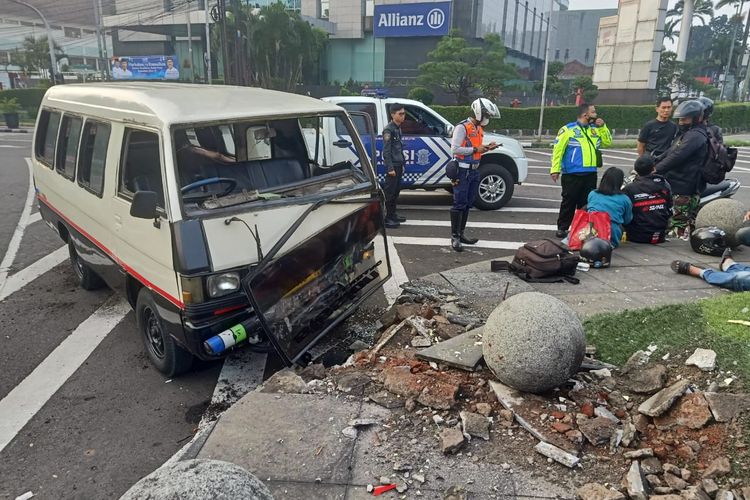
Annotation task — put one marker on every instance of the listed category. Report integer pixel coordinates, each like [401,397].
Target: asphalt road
[84,415]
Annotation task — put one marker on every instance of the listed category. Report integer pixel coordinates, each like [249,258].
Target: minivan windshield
[227,164]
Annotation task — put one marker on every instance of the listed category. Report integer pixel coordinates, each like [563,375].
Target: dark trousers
[575,194]
[392,188]
[465,192]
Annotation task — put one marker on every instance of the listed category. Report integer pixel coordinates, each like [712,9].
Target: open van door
[303,293]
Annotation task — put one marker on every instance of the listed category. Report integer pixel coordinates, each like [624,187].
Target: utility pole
[685,25]
[104,42]
[546,68]
[50,42]
[190,45]
[98,17]
[208,44]
[239,60]
[731,52]
[224,50]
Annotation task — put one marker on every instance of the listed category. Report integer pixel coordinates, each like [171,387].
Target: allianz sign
[418,19]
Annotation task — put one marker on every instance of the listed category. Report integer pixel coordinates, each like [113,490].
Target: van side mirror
[144,205]
[449,130]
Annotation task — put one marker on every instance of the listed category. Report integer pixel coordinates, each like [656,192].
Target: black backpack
[719,161]
[541,261]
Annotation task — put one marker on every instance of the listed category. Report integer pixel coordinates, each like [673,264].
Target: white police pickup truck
[427,147]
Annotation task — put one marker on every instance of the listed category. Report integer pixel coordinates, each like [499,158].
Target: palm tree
[740,4]
[670,31]
[702,9]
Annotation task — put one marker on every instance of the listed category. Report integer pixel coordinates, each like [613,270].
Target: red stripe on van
[104,249]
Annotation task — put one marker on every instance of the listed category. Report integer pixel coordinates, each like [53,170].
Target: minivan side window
[93,156]
[46,137]
[67,146]
[141,165]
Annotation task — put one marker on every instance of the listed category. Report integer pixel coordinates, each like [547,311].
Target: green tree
[34,54]
[703,9]
[555,86]
[590,91]
[277,48]
[668,68]
[460,68]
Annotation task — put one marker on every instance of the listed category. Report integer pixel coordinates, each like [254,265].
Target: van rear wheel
[87,279]
[495,187]
[168,357]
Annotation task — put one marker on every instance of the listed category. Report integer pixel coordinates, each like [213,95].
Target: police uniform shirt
[658,136]
[393,150]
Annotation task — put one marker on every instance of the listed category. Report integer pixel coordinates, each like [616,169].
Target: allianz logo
[434,19]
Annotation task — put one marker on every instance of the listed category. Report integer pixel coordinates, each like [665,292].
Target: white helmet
[483,110]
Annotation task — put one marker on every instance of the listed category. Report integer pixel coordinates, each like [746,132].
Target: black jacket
[393,149]
[682,164]
[652,207]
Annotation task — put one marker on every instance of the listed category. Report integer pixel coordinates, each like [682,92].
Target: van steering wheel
[231,184]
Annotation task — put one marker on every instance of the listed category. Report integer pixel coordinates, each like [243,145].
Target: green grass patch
[736,143]
[675,328]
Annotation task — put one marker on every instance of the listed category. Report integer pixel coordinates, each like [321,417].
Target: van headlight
[222,284]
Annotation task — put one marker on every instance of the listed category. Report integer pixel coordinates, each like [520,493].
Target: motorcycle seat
[715,188]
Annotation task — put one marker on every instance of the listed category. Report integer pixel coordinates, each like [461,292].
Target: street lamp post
[50,43]
[546,69]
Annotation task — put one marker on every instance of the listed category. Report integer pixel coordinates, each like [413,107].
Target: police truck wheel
[87,279]
[495,187]
[164,353]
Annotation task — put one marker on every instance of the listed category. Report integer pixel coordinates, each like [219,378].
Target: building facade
[575,35]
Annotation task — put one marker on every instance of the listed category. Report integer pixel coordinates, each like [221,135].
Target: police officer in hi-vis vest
[577,156]
[467,147]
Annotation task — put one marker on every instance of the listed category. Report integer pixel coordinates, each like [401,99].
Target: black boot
[456,231]
[464,239]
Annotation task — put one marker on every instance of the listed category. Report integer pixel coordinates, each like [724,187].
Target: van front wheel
[87,279]
[164,353]
[495,187]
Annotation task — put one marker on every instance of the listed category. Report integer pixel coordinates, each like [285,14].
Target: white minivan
[217,211]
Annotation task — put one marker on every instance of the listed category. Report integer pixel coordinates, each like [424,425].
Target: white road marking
[553,200]
[12,147]
[392,287]
[28,397]
[15,240]
[446,208]
[482,225]
[35,217]
[28,274]
[552,186]
[446,242]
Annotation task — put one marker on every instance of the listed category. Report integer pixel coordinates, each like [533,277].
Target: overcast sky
[611,4]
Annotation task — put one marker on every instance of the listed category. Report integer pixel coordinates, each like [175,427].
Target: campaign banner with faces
[145,68]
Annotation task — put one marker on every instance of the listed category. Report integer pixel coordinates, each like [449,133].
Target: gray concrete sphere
[199,479]
[726,214]
[533,342]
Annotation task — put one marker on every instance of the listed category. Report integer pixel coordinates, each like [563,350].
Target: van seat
[262,174]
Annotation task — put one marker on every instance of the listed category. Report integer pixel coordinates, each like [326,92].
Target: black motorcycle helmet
[597,252]
[689,109]
[743,235]
[709,241]
[708,106]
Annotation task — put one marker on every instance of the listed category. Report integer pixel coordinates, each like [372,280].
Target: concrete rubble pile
[666,428]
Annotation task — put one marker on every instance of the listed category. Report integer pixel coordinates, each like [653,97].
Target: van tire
[164,353]
[87,279]
[495,187]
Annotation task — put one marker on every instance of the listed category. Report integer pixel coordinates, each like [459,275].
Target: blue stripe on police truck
[425,160]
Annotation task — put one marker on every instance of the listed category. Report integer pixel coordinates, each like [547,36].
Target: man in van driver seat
[467,146]
[191,159]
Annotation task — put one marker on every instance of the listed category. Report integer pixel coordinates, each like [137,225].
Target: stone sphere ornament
[726,214]
[533,342]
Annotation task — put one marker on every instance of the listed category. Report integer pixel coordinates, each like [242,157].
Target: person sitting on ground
[651,196]
[730,275]
[610,198]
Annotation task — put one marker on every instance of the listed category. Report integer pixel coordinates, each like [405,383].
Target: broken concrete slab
[556,454]
[642,453]
[647,380]
[451,440]
[420,342]
[509,398]
[662,401]
[634,483]
[463,351]
[286,382]
[705,359]
[597,430]
[274,450]
[596,491]
[438,395]
[691,411]
[725,406]
[717,468]
[387,400]
[475,425]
